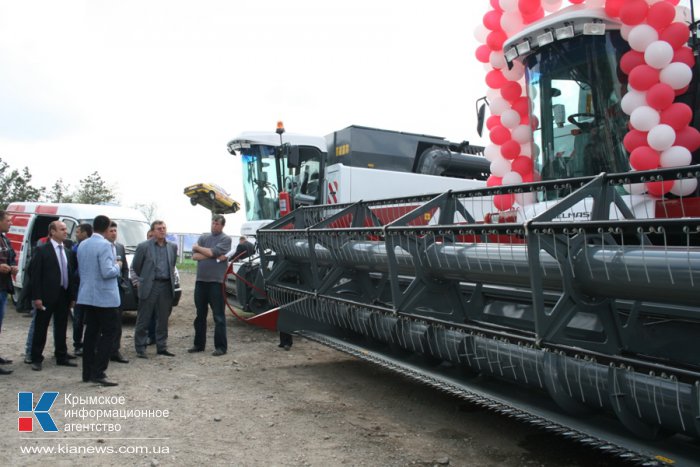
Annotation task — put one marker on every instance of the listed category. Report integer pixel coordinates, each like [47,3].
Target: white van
[30,222]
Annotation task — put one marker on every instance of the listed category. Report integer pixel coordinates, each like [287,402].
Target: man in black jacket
[7,268]
[53,294]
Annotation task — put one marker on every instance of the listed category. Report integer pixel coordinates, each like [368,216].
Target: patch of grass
[187,265]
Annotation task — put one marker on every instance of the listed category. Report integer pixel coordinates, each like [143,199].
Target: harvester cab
[575,90]
[281,171]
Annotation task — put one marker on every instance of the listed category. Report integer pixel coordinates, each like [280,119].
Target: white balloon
[508,5]
[625,31]
[535,153]
[677,75]
[526,150]
[661,137]
[512,22]
[498,60]
[498,106]
[644,118]
[525,199]
[658,54]
[480,33]
[492,94]
[550,6]
[682,15]
[500,167]
[512,178]
[641,36]
[632,100]
[635,188]
[676,156]
[684,187]
[510,118]
[595,3]
[515,73]
[492,152]
[532,92]
[522,133]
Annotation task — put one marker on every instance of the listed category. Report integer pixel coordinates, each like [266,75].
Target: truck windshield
[261,181]
[575,91]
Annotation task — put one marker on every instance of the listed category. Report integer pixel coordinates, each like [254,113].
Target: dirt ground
[257,405]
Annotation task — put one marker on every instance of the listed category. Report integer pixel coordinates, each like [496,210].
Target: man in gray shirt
[210,254]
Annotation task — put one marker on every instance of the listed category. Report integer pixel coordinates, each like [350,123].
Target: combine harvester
[566,292]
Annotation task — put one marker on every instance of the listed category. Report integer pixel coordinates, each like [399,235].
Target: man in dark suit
[244,249]
[53,294]
[120,254]
[154,268]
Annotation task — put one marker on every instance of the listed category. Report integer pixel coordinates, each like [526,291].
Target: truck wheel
[193,201]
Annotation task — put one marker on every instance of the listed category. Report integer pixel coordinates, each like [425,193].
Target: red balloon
[677,115]
[660,96]
[531,18]
[576,2]
[659,188]
[644,158]
[528,7]
[483,53]
[522,106]
[495,40]
[684,55]
[522,165]
[504,202]
[643,77]
[496,5]
[534,123]
[499,135]
[612,8]
[495,79]
[676,34]
[633,12]
[660,15]
[492,20]
[528,178]
[689,138]
[510,149]
[494,181]
[634,139]
[492,121]
[511,91]
[681,91]
[630,60]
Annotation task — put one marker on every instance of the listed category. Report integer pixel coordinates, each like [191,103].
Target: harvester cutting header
[557,280]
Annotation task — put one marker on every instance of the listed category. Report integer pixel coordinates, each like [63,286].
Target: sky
[148,92]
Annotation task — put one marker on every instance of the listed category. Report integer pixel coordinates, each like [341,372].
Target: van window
[129,232]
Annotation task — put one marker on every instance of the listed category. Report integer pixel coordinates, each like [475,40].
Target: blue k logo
[25,403]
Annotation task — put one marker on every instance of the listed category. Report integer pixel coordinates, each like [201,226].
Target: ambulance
[30,222]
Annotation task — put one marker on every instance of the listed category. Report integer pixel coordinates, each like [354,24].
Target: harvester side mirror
[480,114]
[292,157]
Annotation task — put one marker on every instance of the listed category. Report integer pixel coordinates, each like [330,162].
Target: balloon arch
[659,68]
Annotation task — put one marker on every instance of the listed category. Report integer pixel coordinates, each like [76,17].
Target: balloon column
[659,68]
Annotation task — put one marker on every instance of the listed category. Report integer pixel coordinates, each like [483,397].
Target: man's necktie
[64,267]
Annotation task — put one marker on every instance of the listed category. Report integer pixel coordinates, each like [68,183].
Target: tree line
[16,185]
